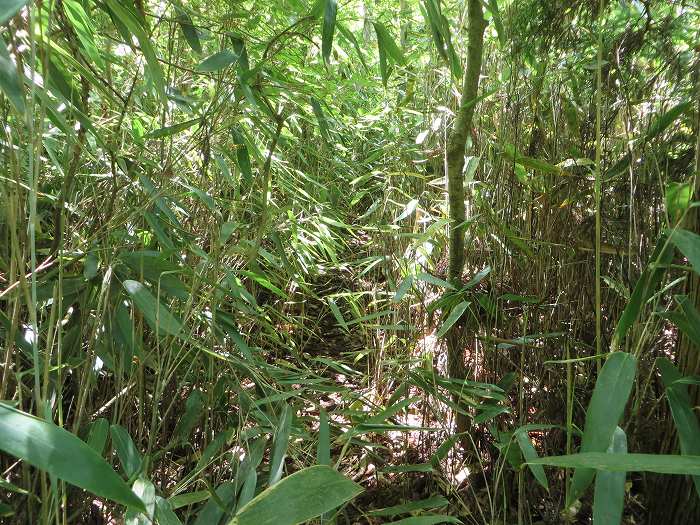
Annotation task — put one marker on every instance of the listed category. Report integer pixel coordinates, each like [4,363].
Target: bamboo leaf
[171,130]
[9,8]
[189,31]
[217,61]
[304,495]
[61,454]
[689,245]
[609,496]
[83,29]
[454,316]
[605,409]
[281,442]
[330,12]
[659,463]
[682,411]
[156,314]
[529,453]
[323,450]
[127,452]
[10,82]
[134,26]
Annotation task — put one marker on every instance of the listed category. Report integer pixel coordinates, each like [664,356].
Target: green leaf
[61,454]
[659,463]
[83,28]
[454,316]
[688,319]
[387,42]
[643,290]
[428,503]
[188,29]
[431,279]
[428,519]
[609,496]
[665,120]
[127,452]
[323,450]
[171,130]
[97,436]
[134,26]
[408,210]
[9,8]
[300,497]
[212,511]
[10,82]
[682,411]
[605,409]
[320,118]
[155,313]
[217,61]
[243,159]
[165,514]
[193,412]
[281,442]
[529,453]
[689,245]
[330,12]
[403,288]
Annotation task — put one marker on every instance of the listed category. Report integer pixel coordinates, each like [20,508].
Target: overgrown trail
[359,262]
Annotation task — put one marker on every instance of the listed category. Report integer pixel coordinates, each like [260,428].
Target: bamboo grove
[357,261]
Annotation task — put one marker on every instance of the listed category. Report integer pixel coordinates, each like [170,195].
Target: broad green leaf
[454,316]
[280,444]
[320,118]
[609,495]
[304,495]
[83,28]
[428,503]
[689,244]
[330,12]
[193,412]
[682,411]
[128,454]
[388,43]
[212,511]
[243,159]
[165,514]
[529,453]
[9,8]
[10,82]
[605,409]
[431,279]
[688,319]
[189,498]
[403,288]
[659,463]
[97,436]
[408,210]
[497,22]
[52,449]
[188,29]
[323,450]
[212,449]
[668,118]
[145,490]
[337,314]
[171,130]
[428,519]
[125,16]
[156,314]
[646,286]
[217,61]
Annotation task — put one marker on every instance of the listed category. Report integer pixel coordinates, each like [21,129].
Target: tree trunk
[455,182]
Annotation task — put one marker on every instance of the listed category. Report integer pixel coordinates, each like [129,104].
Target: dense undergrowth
[224,263]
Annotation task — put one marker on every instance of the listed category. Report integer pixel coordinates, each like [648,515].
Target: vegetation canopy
[349,262]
